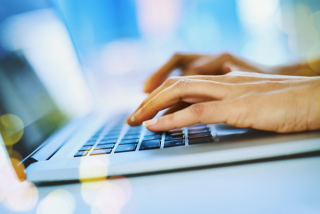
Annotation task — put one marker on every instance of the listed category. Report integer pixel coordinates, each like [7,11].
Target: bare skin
[254,99]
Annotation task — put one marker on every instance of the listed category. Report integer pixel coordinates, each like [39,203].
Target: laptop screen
[41,84]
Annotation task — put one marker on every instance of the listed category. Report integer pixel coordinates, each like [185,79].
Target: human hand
[194,64]
[241,99]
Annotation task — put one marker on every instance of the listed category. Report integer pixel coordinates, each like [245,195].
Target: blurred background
[54,53]
[121,42]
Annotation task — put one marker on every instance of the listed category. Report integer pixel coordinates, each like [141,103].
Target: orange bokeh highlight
[18,168]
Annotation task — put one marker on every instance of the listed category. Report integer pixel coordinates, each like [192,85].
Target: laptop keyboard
[119,140]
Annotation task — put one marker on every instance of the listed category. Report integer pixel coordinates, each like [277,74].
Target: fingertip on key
[149,123]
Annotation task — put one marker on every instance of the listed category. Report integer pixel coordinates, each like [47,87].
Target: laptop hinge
[29,161]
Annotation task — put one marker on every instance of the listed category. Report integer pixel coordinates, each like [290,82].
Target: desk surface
[285,186]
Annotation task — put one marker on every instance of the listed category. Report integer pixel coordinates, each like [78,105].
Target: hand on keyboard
[242,99]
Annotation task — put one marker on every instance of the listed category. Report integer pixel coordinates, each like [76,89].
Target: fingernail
[133,118]
[149,123]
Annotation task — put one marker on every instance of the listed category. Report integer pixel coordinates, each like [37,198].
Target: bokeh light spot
[15,154]
[92,167]
[11,128]
[110,199]
[108,196]
[58,201]
[18,168]
[89,191]
[21,196]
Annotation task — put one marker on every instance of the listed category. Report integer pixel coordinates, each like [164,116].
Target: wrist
[300,69]
[314,102]
[285,69]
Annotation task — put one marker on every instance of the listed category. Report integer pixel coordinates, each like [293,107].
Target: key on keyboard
[126,148]
[150,144]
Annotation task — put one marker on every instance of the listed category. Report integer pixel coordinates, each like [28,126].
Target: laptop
[52,134]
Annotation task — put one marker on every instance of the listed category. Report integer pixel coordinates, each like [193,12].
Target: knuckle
[172,80]
[183,84]
[197,110]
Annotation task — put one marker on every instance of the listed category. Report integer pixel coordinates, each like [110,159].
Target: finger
[227,67]
[206,113]
[231,77]
[168,83]
[190,91]
[162,74]
[234,77]
[177,107]
[209,65]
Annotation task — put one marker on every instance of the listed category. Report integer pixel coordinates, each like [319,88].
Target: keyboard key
[90,143]
[174,137]
[150,133]
[101,152]
[196,128]
[198,125]
[174,134]
[129,141]
[150,144]
[173,143]
[192,136]
[131,137]
[81,153]
[201,140]
[85,148]
[110,138]
[126,148]
[107,141]
[135,127]
[137,132]
[105,146]
[199,131]
[134,130]
[113,133]
[175,130]
[152,137]
[115,130]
